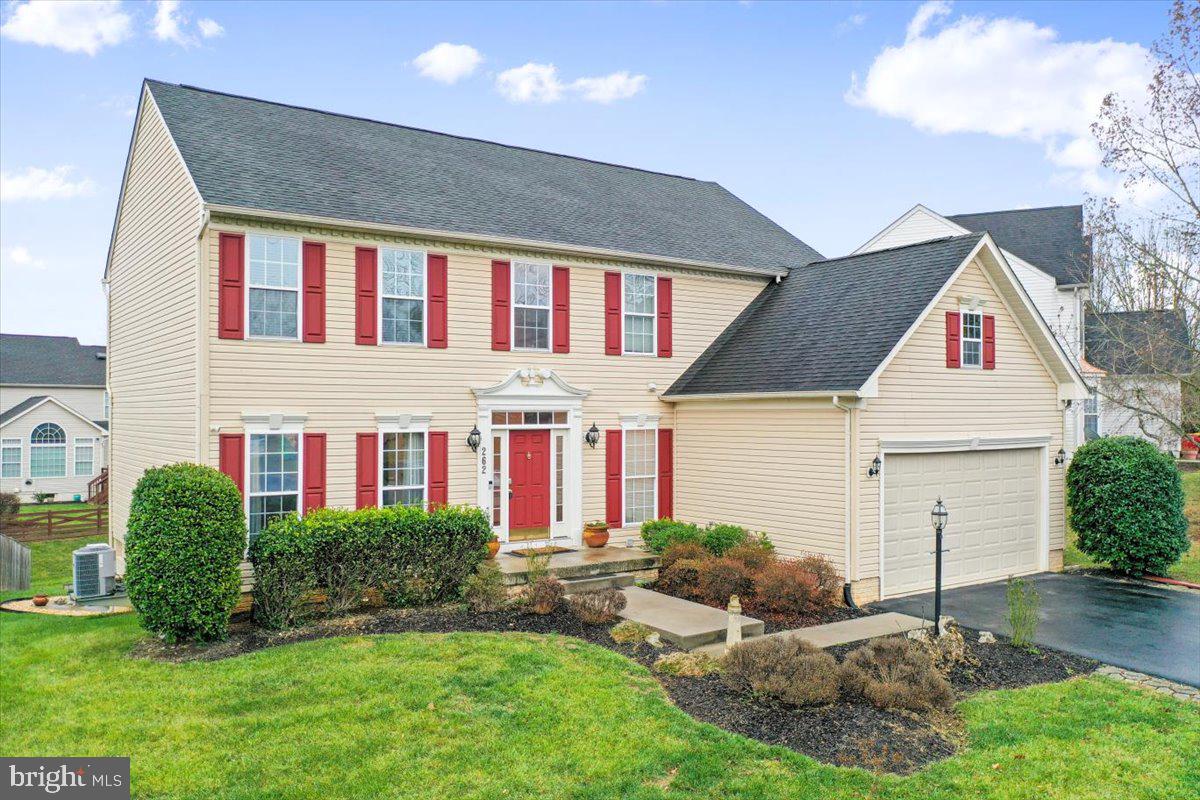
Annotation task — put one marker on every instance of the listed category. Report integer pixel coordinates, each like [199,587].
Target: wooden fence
[42,526]
[14,565]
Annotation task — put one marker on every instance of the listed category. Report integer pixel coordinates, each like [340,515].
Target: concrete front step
[582,563]
[685,624]
[844,632]
[594,583]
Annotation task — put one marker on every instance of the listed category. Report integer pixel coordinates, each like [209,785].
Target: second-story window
[531,306]
[638,311]
[403,308]
[972,339]
[274,287]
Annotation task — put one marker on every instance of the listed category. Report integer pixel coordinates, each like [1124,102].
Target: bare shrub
[804,586]
[896,673]
[544,594]
[786,669]
[686,665]
[485,591]
[679,551]
[754,556]
[719,578]
[681,579]
[597,608]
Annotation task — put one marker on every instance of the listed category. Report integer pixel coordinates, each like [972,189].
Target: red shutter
[231,249]
[989,342]
[666,473]
[367,459]
[664,317]
[562,309]
[314,471]
[438,480]
[612,315]
[314,292]
[436,270]
[953,340]
[612,483]
[232,451]
[501,307]
[366,310]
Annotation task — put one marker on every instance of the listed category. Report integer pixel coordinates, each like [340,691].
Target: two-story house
[53,416]
[338,311]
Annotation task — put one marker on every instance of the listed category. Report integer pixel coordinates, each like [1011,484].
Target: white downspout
[848,576]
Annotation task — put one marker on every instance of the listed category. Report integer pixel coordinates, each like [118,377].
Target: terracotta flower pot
[40,600]
[595,537]
[493,548]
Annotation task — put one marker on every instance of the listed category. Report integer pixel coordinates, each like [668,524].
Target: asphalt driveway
[1145,628]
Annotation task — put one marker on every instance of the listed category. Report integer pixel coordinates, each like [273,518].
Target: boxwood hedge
[1126,505]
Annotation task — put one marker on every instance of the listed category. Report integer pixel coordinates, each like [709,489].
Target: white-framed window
[640,475]
[404,468]
[498,493]
[107,406]
[972,338]
[638,313]
[10,458]
[273,288]
[48,451]
[85,456]
[1091,417]
[531,306]
[560,440]
[402,309]
[273,477]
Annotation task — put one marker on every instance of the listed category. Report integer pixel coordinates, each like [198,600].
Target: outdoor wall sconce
[592,437]
[474,438]
[875,468]
[1061,458]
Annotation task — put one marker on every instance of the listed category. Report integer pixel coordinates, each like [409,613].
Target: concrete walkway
[844,632]
[683,623]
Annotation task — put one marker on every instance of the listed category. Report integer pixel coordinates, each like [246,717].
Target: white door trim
[1028,442]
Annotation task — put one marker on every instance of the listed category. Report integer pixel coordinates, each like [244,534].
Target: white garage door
[994,501]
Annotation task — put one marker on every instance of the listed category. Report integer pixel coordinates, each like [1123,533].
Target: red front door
[529,475]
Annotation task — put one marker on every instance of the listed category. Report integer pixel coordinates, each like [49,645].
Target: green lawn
[38,508]
[1188,568]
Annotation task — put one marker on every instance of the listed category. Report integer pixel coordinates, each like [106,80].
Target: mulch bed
[847,733]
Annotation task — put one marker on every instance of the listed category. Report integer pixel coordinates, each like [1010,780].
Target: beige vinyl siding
[775,466]
[919,397]
[86,400]
[66,487]
[152,305]
[341,386]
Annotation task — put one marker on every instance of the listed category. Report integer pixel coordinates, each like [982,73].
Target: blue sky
[831,118]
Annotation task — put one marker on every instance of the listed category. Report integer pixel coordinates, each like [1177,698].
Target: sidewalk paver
[844,632]
[683,623]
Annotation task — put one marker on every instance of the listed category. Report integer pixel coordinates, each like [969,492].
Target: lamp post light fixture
[875,468]
[474,438]
[592,436]
[938,517]
[1061,458]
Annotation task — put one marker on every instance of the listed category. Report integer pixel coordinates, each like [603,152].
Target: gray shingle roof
[1138,342]
[20,408]
[274,157]
[1051,239]
[50,361]
[828,325]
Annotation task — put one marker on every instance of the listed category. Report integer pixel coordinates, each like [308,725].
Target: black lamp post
[474,438]
[592,436]
[938,516]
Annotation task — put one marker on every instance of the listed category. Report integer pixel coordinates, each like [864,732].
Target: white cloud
[169,24]
[1004,77]
[21,257]
[851,22]
[532,83]
[210,28]
[448,63]
[539,83]
[606,89]
[35,183]
[75,26]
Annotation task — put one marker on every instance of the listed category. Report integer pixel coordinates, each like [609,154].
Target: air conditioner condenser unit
[95,571]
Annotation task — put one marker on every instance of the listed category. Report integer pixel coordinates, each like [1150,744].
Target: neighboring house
[53,415]
[331,310]
[1134,360]
[1047,249]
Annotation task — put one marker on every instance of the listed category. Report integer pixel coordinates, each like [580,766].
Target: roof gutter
[819,394]
[475,238]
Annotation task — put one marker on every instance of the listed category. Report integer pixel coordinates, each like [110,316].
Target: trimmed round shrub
[753,555]
[803,586]
[719,578]
[679,551]
[781,668]
[183,543]
[1126,502]
[659,534]
[719,539]
[681,579]
[428,556]
[896,673]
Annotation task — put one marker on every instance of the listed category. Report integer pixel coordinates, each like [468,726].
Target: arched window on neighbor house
[48,451]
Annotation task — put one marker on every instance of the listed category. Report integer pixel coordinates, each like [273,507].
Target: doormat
[526,552]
